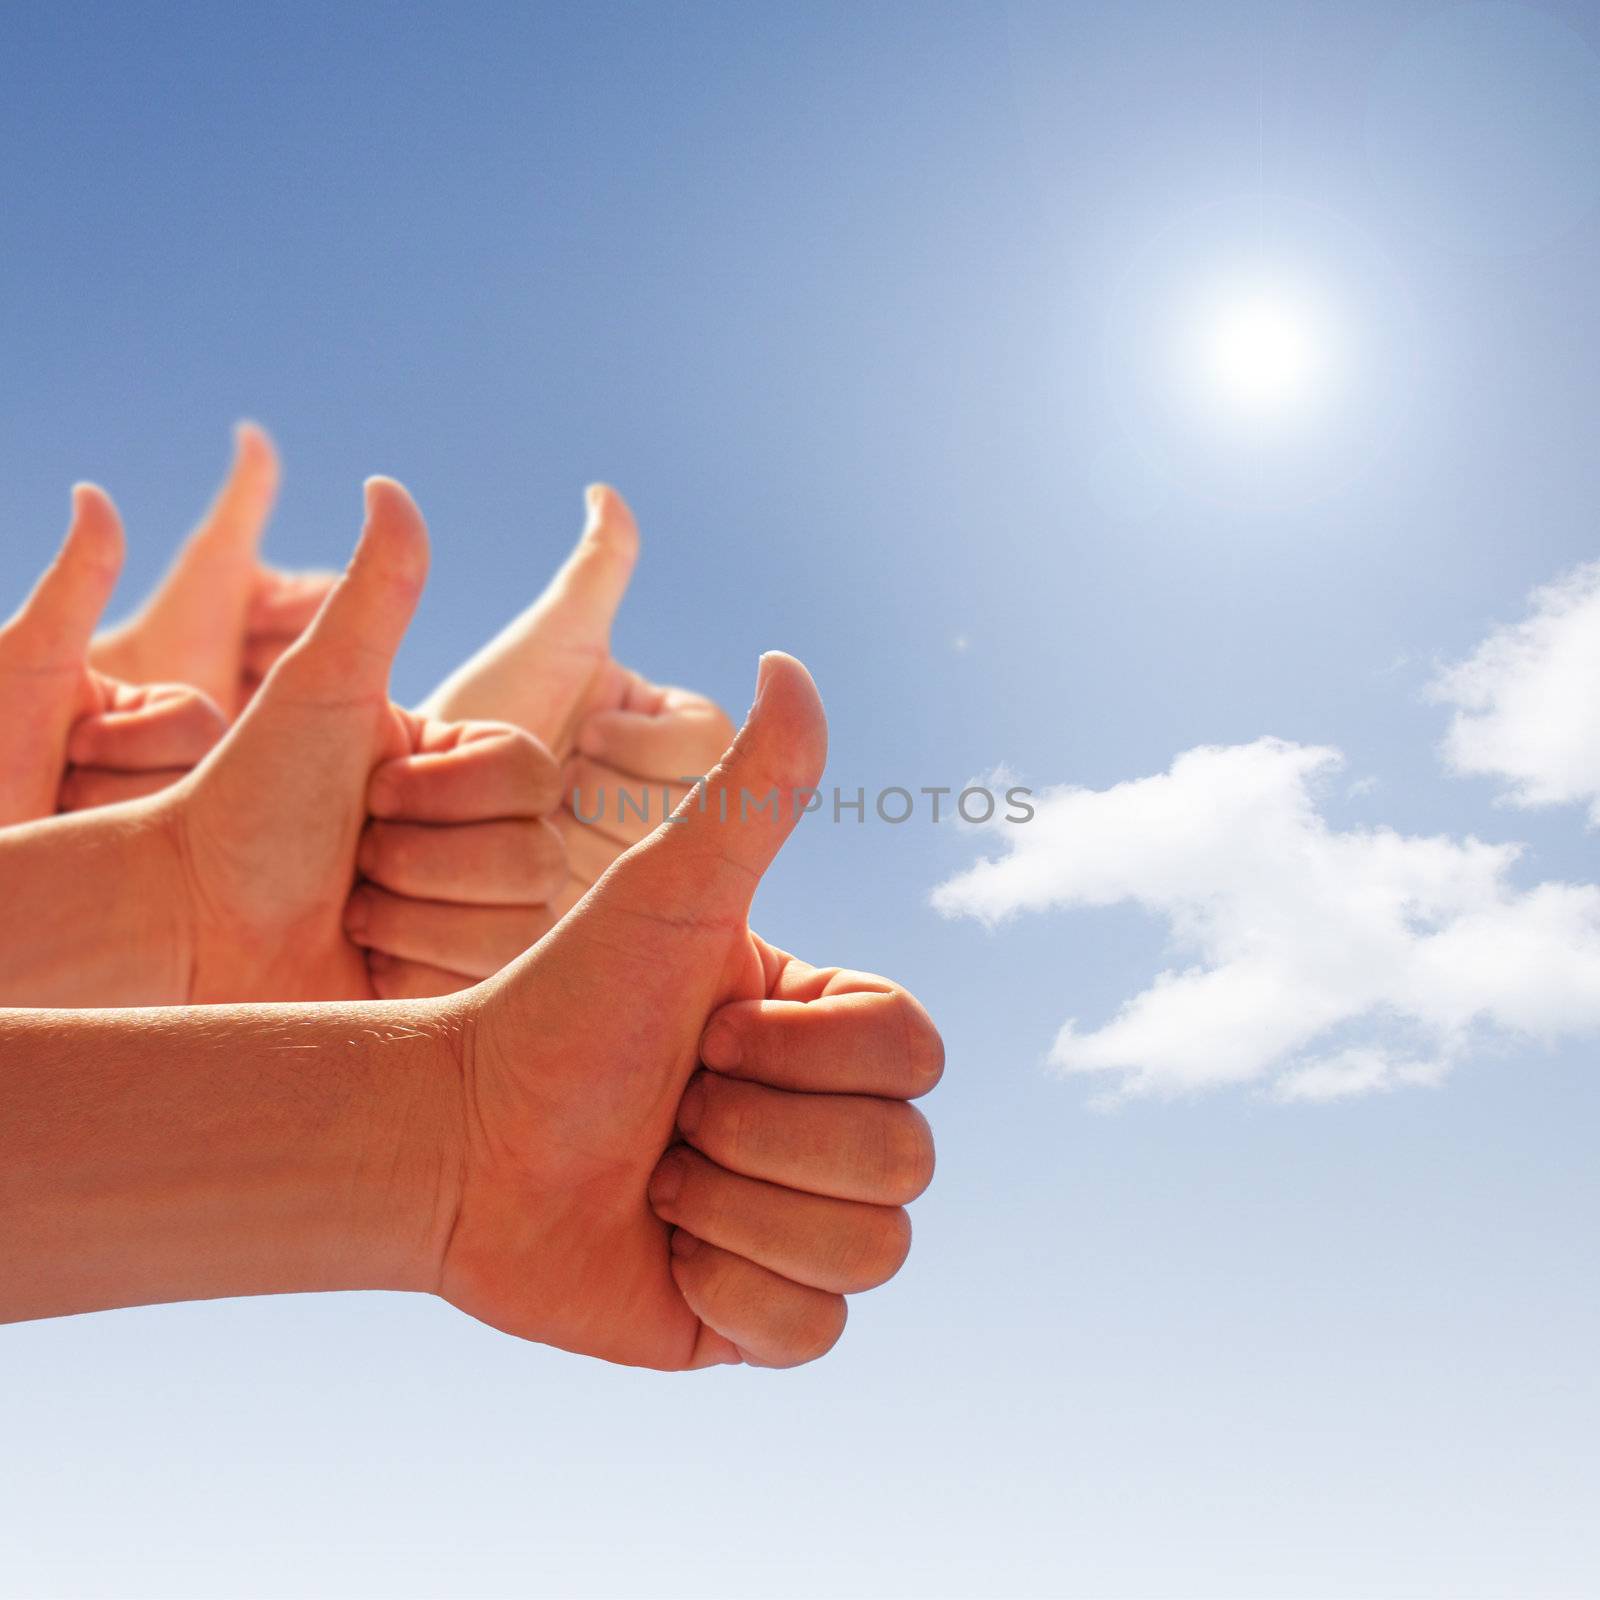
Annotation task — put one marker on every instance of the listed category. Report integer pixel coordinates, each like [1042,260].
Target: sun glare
[1261,353]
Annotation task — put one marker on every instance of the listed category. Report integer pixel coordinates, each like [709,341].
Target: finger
[769,1320]
[84,788]
[172,726]
[589,851]
[393,979]
[52,629]
[616,803]
[475,940]
[873,1043]
[841,1246]
[537,670]
[681,742]
[852,1147]
[512,862]
[504,772]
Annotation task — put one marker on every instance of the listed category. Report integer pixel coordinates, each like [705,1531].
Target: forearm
[151,1156]
[92,911]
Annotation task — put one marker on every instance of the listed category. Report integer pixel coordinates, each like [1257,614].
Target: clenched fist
[679,1145]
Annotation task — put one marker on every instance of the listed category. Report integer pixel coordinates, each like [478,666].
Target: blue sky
[876,314]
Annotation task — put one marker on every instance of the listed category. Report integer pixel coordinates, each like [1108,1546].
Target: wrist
[407,1186]
[159,913]
[376,1189]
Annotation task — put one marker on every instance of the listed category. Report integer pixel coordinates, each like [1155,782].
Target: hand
[323,776]
[799,1154]
[551,671]
[547,1151]
[151,1156]
[635,744]
[70,737]
[220,619]
[580,1221]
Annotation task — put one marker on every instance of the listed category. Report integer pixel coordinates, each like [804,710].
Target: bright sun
[1261,352]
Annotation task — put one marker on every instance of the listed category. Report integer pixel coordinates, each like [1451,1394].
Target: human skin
[71,736]
[550,670]
[240,881]
[220,618]
[653,1139]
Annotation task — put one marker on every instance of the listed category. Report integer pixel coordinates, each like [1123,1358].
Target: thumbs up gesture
[551,671]
[681,1146]
[323,777]
[219,619]
[70,736]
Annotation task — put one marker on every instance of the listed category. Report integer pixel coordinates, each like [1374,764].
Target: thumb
[54,625]
[538,669]
[350,646]
[43,677]
[704,864]
[191,628]
[235,520]
[286,790]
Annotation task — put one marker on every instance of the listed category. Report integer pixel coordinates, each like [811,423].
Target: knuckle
[703,1203]
[535,771]
[725,1121]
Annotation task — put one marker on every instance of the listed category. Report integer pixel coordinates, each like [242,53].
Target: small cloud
[1314,962]
[1360,787]
[961,644]
[1351,1072]
[1526,700]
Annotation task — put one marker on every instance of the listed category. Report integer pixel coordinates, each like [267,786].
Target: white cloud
[1312,961]
[1526,700]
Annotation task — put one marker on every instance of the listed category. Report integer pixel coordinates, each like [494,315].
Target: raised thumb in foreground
[702,865]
